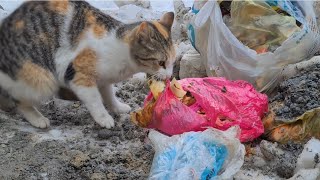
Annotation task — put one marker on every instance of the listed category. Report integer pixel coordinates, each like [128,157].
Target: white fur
[108,95]
[22,91]
[65,54]
[91,97]
[114,64]
[34,117]
[167,73]
[114,61]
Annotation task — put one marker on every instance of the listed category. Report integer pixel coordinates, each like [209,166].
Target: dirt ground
[299,93]
[75,148]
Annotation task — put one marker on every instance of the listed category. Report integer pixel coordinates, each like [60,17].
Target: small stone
[300,100]
[259,161]
[98,176]
[78,159]
[93,156]
[3,145]
[111,175]
[286,109]
[270,150]
[76,105]
[107,133]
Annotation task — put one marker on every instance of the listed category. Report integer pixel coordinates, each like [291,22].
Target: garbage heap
[260,93]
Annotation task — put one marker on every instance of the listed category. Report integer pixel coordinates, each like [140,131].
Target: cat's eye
[162,63]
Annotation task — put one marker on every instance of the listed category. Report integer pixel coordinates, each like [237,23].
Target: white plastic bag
[211,154]
[225,55]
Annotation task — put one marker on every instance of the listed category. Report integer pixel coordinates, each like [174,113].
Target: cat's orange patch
[85,68]
[19,24]
[127,38]
[98,29]
[161,29]
[60,6]
[38,78]
[91,19]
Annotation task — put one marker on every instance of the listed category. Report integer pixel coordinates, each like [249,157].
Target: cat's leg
[92,99]
[7,103]
[32,85]
[32,115]
[111,101]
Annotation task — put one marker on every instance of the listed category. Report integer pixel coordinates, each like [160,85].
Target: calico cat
[49,45]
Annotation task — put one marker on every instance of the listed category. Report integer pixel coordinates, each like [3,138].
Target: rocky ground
[75,148]
[300,93]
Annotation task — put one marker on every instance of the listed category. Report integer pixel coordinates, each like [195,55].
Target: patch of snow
[132,13]
[310,155]
[39,135]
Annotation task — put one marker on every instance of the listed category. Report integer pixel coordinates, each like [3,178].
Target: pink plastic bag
[225,103]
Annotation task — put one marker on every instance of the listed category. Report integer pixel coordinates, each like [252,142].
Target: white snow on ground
[157,5]
[127,13]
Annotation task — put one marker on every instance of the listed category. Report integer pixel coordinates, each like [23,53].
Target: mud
[299,93]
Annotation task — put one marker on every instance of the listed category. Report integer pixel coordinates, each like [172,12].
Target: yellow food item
[156,88]
[143,116]
[177,89]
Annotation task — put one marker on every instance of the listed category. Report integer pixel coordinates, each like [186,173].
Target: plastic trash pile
[253,40]
[247,47]
[207,116]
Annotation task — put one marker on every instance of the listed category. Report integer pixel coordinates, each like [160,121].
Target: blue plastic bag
[211,154]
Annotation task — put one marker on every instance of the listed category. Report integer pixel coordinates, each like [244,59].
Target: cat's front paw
[105,120]
[121,108]
[41,122]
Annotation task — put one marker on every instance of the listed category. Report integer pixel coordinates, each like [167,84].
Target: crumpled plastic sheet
[225,104]
[257,25]
[211,154]
[297,129]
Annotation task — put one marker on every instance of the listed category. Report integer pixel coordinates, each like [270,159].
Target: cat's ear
[167,20]
[143,30]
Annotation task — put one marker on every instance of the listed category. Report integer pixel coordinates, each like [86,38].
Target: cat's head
[152,47]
